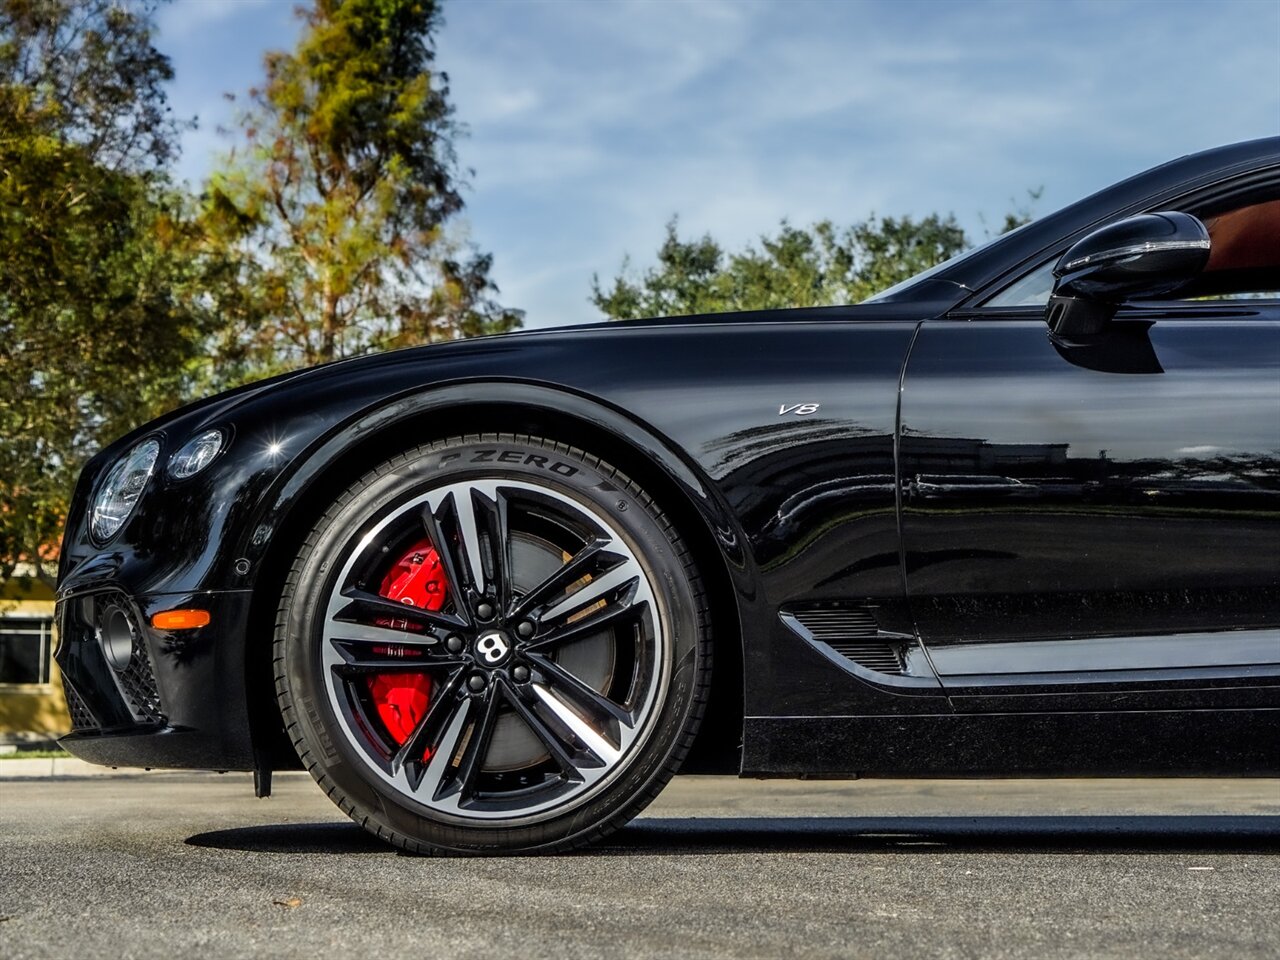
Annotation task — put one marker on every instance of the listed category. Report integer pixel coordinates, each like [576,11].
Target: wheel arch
[676,484]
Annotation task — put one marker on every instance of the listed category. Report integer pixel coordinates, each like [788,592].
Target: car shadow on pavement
[669,836]
[1034,834]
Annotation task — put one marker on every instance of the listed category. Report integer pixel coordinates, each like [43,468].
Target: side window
[1032,290]
[1244,255]
[25,649]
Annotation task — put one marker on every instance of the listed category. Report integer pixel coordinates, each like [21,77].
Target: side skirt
[1155,743]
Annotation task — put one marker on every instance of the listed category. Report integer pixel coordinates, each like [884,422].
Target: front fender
[458,397]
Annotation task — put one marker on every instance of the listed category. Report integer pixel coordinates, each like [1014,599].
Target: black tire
[549,719]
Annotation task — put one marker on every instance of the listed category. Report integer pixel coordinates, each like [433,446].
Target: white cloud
[735,115]
[591,123]
[185,18]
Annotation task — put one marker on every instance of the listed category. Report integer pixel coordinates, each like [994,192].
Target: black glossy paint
[200,678]
[952,476]
[1063,501]
[1120,742]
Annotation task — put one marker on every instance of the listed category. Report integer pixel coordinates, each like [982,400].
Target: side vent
[851,632]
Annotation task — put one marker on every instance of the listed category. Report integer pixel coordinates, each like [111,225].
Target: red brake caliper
[416,580]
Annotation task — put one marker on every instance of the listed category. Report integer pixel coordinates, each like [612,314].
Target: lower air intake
[81,718]
[132,669]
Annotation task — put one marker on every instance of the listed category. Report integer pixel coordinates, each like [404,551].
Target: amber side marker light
[180,619]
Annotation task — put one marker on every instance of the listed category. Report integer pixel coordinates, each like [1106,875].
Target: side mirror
[1142,256]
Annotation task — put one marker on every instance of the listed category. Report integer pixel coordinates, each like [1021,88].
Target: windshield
[939,267]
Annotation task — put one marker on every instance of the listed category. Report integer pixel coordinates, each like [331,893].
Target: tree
[820,266]
[338,203]
[99,326]
[86,73]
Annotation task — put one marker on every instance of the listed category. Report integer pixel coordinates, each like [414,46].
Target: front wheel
[492,644]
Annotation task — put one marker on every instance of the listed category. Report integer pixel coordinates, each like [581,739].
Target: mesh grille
[853,633]
[139,686]
[81,718]
[137,682]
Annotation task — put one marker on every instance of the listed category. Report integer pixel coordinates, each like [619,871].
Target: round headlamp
[196,454]
[122,489]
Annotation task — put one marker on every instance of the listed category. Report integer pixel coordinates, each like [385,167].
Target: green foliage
[98,264]
[820,266]
[338,202]
[85,72]
[55,754]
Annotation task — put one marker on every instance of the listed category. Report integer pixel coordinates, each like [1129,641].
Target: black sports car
[1020,514]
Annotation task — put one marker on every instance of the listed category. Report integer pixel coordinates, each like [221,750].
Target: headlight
[195,455]
[122,489]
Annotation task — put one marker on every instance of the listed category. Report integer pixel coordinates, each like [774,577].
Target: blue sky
[592,123]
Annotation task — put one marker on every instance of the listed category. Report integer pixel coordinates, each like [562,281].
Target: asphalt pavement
[191,865]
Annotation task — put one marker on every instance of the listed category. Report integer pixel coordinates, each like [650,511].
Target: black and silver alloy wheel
[492,658]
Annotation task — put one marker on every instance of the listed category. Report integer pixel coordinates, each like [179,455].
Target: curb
[65,767]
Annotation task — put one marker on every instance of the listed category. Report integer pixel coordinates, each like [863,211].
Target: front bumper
[155,698]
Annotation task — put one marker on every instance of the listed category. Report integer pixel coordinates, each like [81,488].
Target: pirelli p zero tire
[492,644]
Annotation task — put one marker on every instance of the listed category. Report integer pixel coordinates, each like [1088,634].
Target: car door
[1097,524]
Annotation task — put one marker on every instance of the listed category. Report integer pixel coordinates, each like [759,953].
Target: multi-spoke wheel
[492,644]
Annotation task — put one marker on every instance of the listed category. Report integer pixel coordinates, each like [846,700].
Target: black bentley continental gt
[1018,515]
